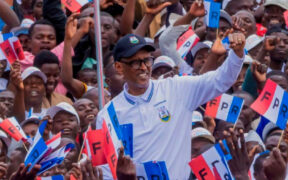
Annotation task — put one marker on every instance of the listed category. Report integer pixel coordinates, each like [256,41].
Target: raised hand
[237,43]
[105,3]
[237,24]
[15,76]
[85,24]
[240,163]
[154,10]
[270,43]
[125,168]
[75,171]
[71,26]
[275,166]
[197,9]
[23,174]
[259,72]
[89,172]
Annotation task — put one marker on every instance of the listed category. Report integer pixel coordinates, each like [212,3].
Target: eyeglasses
[136,63]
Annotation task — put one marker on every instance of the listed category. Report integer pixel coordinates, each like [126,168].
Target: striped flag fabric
[211,165]
[127,138]
[272,103]
[186,42]
[12,127]
[12,49]
[74,5]
[56,177]
[5,36]
[152,170]
[212,16]
[54,142]
[225,107]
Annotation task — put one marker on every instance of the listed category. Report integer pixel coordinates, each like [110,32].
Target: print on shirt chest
[163,111]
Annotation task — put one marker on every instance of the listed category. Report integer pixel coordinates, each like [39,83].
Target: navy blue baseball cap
[129,45]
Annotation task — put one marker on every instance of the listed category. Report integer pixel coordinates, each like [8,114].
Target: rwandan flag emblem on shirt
[164,114]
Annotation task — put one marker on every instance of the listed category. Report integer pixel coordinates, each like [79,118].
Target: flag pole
[281,137]
[99,56]
[83,143]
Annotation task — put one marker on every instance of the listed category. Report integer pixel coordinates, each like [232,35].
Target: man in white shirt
[161,111]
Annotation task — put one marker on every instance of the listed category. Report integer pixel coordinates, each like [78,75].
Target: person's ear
[119,68]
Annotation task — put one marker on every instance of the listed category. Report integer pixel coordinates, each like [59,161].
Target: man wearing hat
[273,12]
[160,111]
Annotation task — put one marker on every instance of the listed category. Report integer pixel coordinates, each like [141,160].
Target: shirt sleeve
[58,51]
[197,90]
[168,46]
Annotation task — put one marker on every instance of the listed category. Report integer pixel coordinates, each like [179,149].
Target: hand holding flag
[90,172]
[125,166]
[237,43]
[23,174]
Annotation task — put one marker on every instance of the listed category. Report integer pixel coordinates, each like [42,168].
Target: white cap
[281,3]
[196,117]
[252,136]
[63,106]
[252,41]
[33,71]
[201,45]
[202,133]
[163,61]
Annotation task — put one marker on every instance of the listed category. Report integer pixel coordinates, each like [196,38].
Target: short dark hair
[41,21]
[45,57]
[85,70]
[276,29]
[277,73]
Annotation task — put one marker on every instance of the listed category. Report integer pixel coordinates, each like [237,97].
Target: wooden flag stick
[281,137]
[25,147]
[82,147]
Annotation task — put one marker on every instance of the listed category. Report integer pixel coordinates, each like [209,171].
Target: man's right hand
[237,43]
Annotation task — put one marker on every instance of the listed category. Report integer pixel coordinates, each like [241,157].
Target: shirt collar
[146,97]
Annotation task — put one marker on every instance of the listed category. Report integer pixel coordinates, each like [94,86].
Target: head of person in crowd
[113,79]
[273,12]
[253,45]
[272,141]
[7,98]
[37,6]
[222,126]
[225,23]
[65,120]
[234,6]
[162,65]
[280,78]
[198,23]
[30,126]
[200,54]
[4,145]
[16,158]
[87,112]
[278,55]
[202,140]
[241,77]
[66,165]
[48,63]
[249,22]
[247,115]
[42,35]
[22,32]
[109,25]
[252,139]
[92,94]
[133,60]
[259,168]
[88,76]
[34,82]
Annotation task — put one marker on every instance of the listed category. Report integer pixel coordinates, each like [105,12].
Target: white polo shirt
[161,117]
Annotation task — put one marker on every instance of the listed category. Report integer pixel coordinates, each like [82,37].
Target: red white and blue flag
[186,42]
[12,127]
[56,177]
[152,170]
[212,16]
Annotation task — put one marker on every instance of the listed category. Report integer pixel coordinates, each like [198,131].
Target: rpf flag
[5,36]
[272,103]
[211,165]
[152,170]
[12,49]
[186,42]
[38,149]
[54,142]
[263,123]
[127,138]
[212,16]
[225,107]
[12,127]
[56,177]
[74,5]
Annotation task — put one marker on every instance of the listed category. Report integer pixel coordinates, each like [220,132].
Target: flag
[54,158]
[94,144]
[5,36]
[272,103]
[152,170]
[54,142]
[285,15]
[210,165]
[14,131]
[186,42]
[212,16]
[56,177]
[109,150]
[261,126]
[261,30]
[127,138]
[38,149]
[17,125]
[225,107]
[74,5]
[17,48]
[8,51]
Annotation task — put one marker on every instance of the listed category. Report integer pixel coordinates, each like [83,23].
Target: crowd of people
[149,83]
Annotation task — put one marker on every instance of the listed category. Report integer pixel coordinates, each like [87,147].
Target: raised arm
[128,16]
[8,16]
[74,86]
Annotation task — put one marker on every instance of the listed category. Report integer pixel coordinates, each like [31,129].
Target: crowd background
[60,66]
